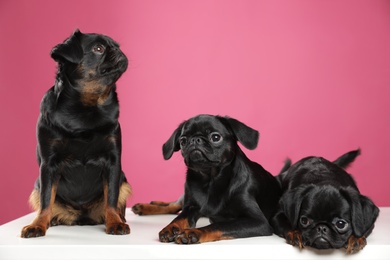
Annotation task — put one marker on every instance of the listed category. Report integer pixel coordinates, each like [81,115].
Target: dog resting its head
[235,193]
[322,207]
[209,141]
[206,142]
[79,140]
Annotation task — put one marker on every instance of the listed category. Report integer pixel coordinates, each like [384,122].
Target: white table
[91,242]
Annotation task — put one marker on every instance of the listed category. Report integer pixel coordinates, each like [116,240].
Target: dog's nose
[322,229]
[196,140]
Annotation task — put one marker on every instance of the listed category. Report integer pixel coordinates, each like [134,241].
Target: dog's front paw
[169,233]
[117,229]
[33,231]
[355,244]
[138,209]
[294,238]
[188,236]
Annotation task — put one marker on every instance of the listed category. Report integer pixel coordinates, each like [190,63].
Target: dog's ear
[363,212]
[346,159]
[172,145]
[291,203]
[70,50]
[249,137]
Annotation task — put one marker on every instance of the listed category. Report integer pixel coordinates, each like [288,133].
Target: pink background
[312,76]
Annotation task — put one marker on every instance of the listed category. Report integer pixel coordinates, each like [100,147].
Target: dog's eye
[215,137]
[99,49]
[341,225]
[305,221]
[183,141]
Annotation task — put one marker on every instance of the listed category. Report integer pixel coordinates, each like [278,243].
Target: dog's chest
[212,199]
[93,93]
[85,111]
[85,150]
[82,163]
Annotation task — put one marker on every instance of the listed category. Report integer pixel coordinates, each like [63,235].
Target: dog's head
[92,58]
[209,141]
[327,216]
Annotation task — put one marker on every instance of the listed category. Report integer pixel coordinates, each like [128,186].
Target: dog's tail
[346,159]
[283,171]
[286,166]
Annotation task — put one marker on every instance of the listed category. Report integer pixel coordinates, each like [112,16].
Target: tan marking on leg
[41,222]
[160,203]
[124,192]
[355,244]
[151,209]
[210,236]
[195,235]
[169,233]
[64,215]
[114,218]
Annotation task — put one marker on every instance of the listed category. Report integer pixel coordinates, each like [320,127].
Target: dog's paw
[169,233]
[117,229]
[33,231]
[188,236]
[138,209]
[355,244]
[294,238]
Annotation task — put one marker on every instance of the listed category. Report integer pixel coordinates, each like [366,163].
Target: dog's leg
[282,227]
[160,203]
[186,219]
[280,223]
[177,226]
[240,228]
[294,238]
[158,207]
[124,192]
[114,215]
[355,244]
[47,196]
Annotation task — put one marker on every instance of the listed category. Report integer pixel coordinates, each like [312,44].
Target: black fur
[322,207]
[237,195]
[79,139]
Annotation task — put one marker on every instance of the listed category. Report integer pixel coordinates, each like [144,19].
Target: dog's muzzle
[321,243]
[196,156]
[116,63]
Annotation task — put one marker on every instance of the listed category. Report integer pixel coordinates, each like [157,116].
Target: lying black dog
[322,207]
[236,194]
[79,140]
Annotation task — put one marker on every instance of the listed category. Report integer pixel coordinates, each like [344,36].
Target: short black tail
[346,159]
[286,166]
[283,171]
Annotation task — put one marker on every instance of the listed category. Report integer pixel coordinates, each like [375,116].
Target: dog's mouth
[119,67]
[321,243]
[197,158]
[108,70]
[114,64]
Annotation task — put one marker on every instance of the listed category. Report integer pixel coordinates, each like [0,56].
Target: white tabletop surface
[91,242]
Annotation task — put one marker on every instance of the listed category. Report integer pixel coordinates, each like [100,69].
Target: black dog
[79,140]
[236,194]
[322,207]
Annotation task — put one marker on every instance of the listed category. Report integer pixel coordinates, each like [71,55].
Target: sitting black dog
[79,140]
[322,207]
[237,195]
